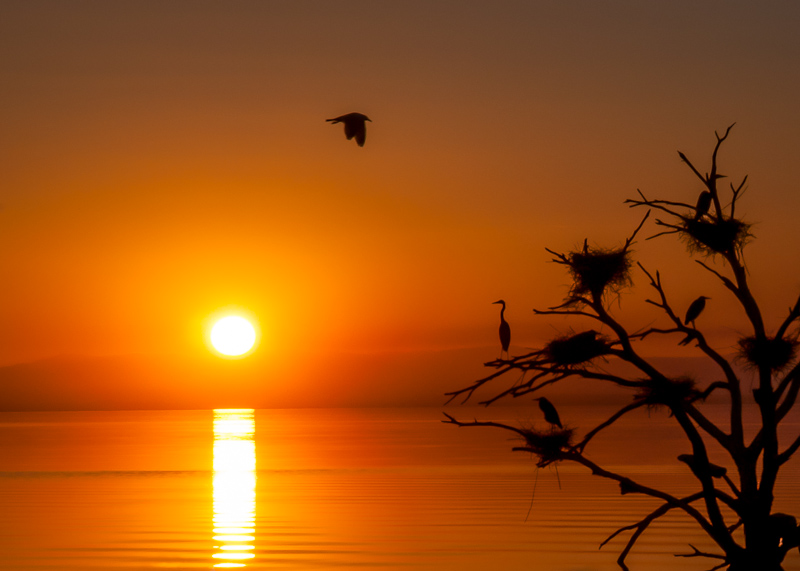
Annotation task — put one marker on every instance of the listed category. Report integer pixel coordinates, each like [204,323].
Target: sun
[233,336]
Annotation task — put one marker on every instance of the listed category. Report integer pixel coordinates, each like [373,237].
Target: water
[329,489]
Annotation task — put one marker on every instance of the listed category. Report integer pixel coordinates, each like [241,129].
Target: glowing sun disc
[233,336]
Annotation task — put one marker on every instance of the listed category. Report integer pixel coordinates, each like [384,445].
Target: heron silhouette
[355,125]
[550,412]
[703,204]
[505,329]
[695,309]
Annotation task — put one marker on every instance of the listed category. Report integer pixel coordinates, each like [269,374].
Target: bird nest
[717,236]
[571,350]
[667,392]
[548,445]
[774,354]
[594,270]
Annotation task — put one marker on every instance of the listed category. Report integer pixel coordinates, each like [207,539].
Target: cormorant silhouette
[695,309]
[550,412]
[505,329]
[354,126]
[703,204]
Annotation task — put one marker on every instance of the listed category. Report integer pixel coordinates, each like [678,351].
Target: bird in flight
[355,125]
[695,309]
[550,412]
[505,329]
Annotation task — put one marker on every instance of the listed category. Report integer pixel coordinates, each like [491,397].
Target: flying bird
[355,125]
[505,329]
[550,412]
[703,204]
[695,309]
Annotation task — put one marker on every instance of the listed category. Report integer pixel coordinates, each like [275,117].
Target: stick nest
[717,236]
[548,445]
[670,392]
[572,350]
[774,354]
[594,270]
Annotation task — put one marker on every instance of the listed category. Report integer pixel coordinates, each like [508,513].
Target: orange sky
[161,161]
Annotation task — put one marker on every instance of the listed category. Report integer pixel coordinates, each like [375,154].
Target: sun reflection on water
[234,487]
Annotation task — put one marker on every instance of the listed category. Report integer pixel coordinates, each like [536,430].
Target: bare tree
[735,511]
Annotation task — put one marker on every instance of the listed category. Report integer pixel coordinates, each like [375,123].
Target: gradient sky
[163,161]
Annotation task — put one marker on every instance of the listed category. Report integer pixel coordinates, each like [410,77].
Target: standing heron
[703,204]
[355,125]
[695,309]
[505,329]
[550,412]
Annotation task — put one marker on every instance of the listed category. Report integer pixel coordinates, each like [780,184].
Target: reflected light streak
[234,486]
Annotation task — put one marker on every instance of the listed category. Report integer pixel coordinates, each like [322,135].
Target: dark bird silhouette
[695,309]
[354,126]
[713,470]
[703,204]
[550,412]
[505,329]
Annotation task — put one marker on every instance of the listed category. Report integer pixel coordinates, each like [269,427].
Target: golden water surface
[330,489]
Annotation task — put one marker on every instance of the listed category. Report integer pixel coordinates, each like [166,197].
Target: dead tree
[733,510]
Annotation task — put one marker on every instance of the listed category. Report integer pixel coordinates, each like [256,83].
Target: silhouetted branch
[451,420]
[784,456]
[524,389]
[656,203]
[698,553]
[476,385]
[792,379]
[728,283]
[616,416]
[664,233]
[691,166]
[629,240]
[737,193]
[794,313]
[642,525]
[553,311]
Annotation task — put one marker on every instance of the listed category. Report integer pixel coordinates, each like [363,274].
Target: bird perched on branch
[703,204]
[354,126]
[550,412]
[714,470]
[505,329]
[695,309]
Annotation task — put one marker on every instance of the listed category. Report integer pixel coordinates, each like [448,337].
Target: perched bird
[354,126]
[505,329]
[703,204]
[695,309]
[550,412]
[713,470]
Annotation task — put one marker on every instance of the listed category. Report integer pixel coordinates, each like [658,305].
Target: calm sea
[330,489]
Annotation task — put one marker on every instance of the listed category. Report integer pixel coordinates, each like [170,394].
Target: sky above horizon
[165,161]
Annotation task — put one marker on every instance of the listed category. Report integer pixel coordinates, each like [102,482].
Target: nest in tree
[576,349]
[594,270]
[774,354]
[548,445]
[668,392]
[717,236]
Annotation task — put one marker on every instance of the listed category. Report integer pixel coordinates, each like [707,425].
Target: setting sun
[233,336]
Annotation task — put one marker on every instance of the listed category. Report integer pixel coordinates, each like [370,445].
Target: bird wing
[361,134]
[350,129]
